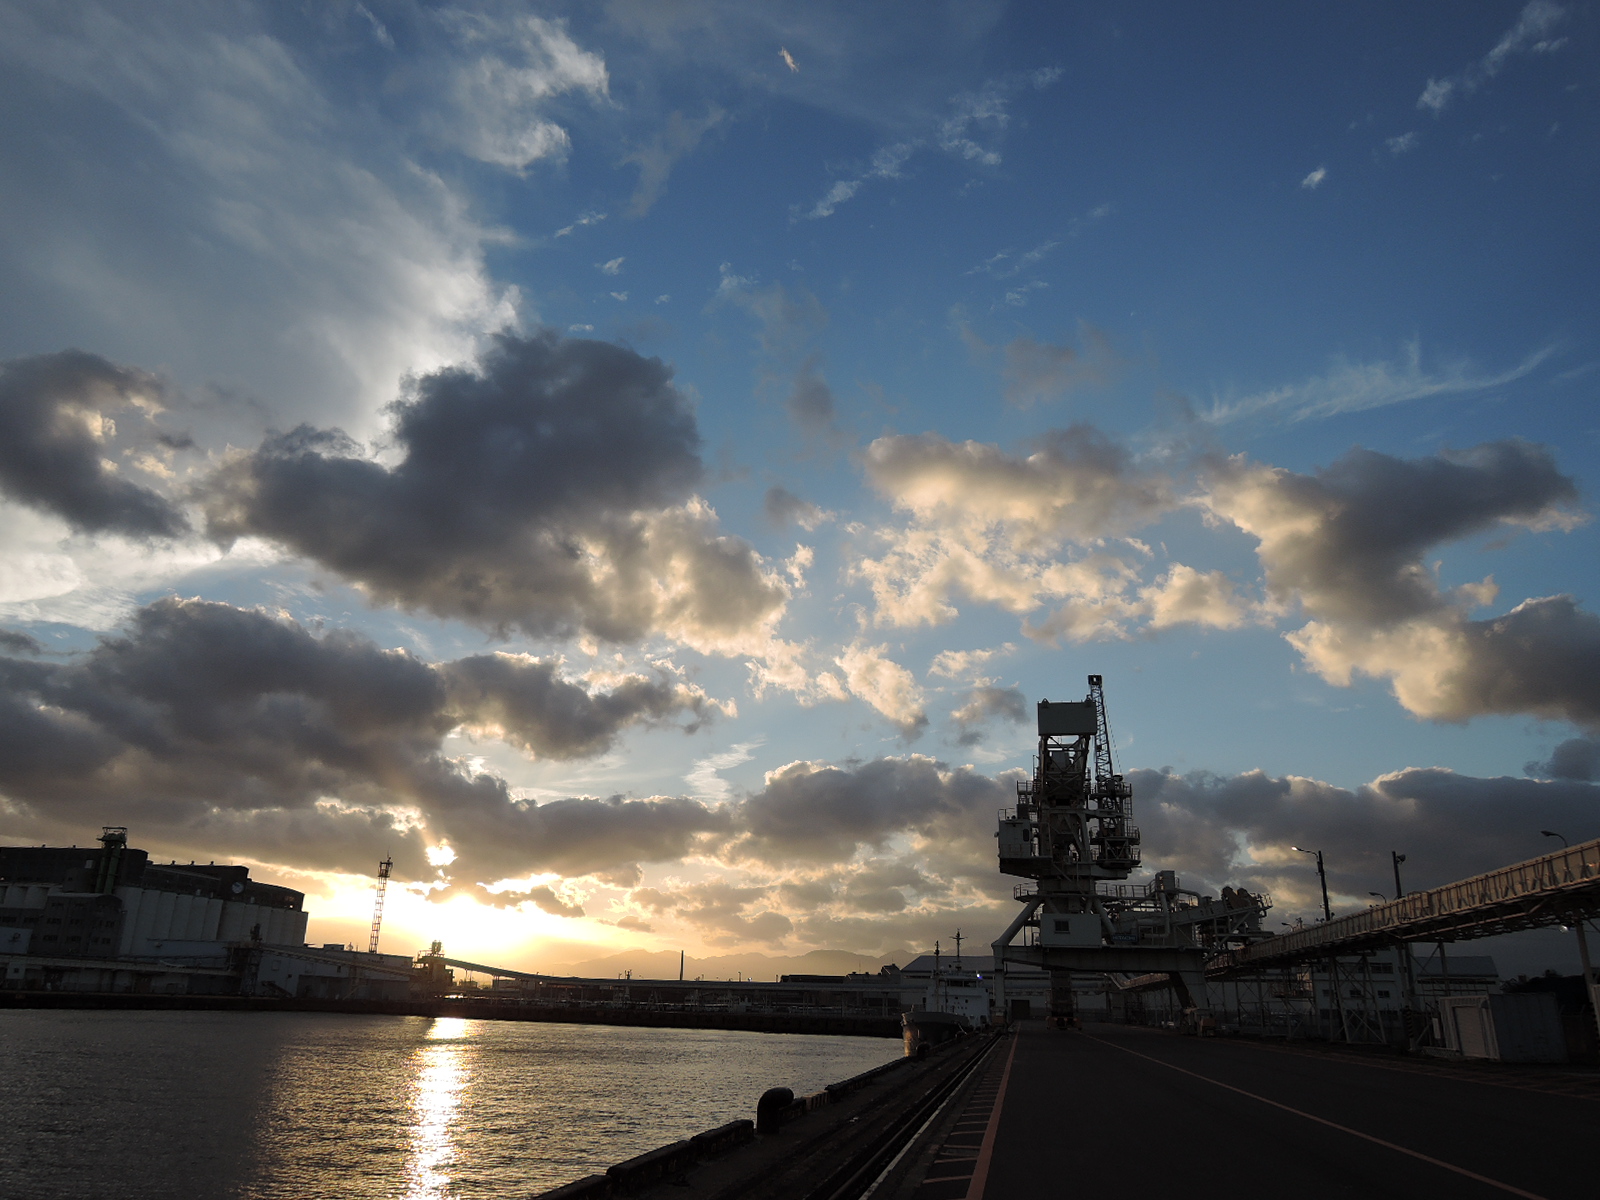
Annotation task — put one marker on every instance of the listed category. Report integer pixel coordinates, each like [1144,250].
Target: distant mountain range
[663,964]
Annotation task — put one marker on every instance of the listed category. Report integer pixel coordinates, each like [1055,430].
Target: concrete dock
[1114,1109]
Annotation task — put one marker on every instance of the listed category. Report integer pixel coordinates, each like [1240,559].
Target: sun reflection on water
[441,1076]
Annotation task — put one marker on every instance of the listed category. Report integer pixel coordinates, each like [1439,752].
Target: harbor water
[291,1106]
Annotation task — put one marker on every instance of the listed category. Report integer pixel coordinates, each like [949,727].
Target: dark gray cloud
[1542,657]
[987,703]
[784,508]
[1576,758]
[550,489]
[1348,544]
[59,443]
[1450,826]
[12,642]
[1349,539]
[813,812]
[228,728]
[811,404]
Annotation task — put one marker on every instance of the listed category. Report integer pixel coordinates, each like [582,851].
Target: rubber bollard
[769,1109]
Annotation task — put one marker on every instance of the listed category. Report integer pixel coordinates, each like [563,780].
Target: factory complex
[106,919]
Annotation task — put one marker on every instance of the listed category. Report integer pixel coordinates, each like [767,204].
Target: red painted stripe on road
[1427,1158]
[980,1173]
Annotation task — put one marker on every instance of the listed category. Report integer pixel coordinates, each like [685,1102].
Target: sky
[639,464]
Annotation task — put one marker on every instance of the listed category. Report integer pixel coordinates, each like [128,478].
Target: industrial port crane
[1072,835]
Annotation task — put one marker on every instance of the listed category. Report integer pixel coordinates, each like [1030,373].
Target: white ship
[956,1003]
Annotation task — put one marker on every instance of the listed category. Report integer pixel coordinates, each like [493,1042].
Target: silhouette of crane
[377,904]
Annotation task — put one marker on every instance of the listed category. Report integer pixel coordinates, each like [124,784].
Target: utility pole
[377,904]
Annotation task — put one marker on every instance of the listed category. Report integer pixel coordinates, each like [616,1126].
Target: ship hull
[924,1029]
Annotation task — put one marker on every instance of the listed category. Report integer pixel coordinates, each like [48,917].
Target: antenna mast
[377,904]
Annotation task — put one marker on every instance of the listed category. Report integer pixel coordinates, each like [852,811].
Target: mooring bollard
[769,1109]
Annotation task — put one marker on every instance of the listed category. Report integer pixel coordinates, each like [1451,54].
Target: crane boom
[377,904]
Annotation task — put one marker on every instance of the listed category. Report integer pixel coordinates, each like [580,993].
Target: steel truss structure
[1553,889]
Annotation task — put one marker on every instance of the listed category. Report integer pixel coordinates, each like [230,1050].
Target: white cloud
[883,683]
[788,59]
[704,780]
[1530,35]
[1314,180]
[963,664]
[1185,596]
[1356,387]
[215,155]
[886,164]
[612,267]
[588,218]
[619,296]
[508,71]
[1403,144]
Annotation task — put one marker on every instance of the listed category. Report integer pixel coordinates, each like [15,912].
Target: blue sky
[1226,351]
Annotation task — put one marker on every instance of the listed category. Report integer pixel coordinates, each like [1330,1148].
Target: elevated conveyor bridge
[1553,889]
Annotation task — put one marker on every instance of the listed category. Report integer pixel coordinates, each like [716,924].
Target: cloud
[1013,530]
[1346,544]
[1403,144]
[1040,371]
[810,404]
[705,779]
[788,59]
[1576,758]
[656,158]
[65,420]
[1314,180]
[1185,596]
[985,113]
[1530,35]
[886,163]
[1357,387]
[189,148]
[588,218]
[1240,829]
[727,914]
[784,508]
[12,642]
[883,683]
[1075,483]
[959,664]
[234,729]
[500,84]
[789,319]
[545,897]
[613,267]
[970,131]
[548,488]
[810,812]
[985,704]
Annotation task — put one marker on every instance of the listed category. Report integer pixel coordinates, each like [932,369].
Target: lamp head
[1549,833]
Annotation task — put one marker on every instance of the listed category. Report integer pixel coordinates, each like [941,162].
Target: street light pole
[1583,950]
[1397,859]
[1322,876]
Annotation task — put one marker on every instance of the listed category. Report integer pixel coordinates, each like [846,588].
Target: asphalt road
[1126,1111]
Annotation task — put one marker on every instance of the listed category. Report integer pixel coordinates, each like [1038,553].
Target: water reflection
[440,1068]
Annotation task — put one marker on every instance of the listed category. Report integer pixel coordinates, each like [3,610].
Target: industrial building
[107,919]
